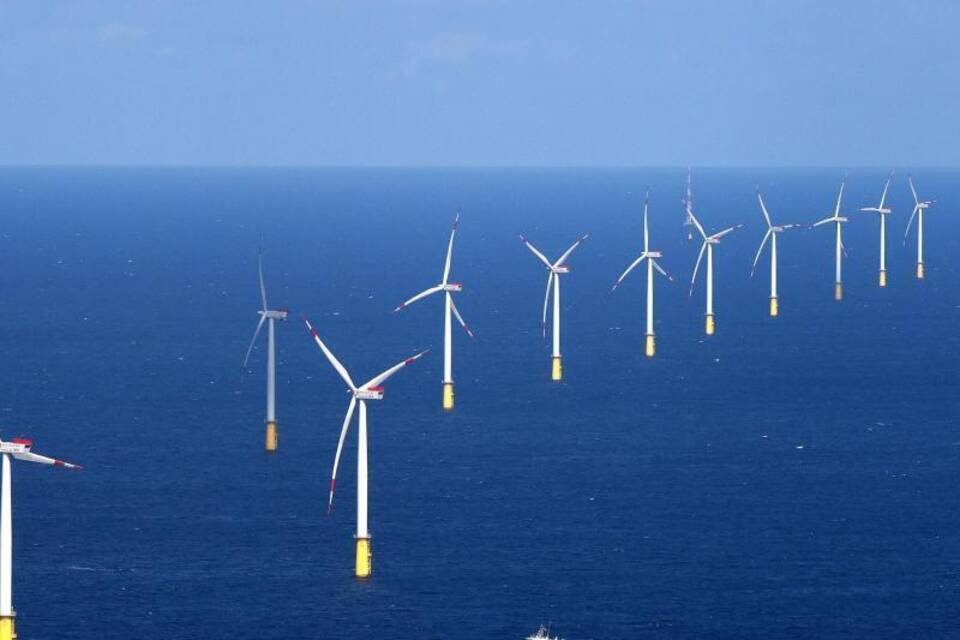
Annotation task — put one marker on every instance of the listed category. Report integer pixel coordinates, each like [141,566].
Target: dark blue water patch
[784,478]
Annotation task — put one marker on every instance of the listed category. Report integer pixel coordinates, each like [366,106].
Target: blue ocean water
[785,478]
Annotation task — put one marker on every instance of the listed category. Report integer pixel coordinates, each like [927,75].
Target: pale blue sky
[655,82]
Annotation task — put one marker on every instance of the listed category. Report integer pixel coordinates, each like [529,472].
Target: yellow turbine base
[774,308]
[838,292]
[271,440]
[448,396]
[556,373]
[883,278]
[364,558]
[7,631]
[710,325]
[919,271]
[651,349]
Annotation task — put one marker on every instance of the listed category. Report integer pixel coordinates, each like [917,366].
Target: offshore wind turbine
[918,209]
[708,242]
[18,448]
[268,316]
[650,257]
[840,249]
[882,212]
[370,390]
[771,234]
[449,308]
[553,281]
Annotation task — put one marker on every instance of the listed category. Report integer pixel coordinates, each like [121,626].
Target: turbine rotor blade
[453,232]
[378,380]
[756,258]
[263,289]
[566,254]
[763,209]
[456,314]
[656,265]
[916,208]
[29,456]
[883,198]
[536,252]
[836,213]
[330,357]
[336,459]
[703,234]
[546,302]
[419,296]
[646,228]
[263,318]
[627,271]
[703,247]
[720,234]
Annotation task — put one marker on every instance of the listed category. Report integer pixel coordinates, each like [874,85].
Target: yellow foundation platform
[7,631]
[448,396]
[919,271]
[883,278]
[838,292]
[651,349]
[556,372]
[710,324]
[364,558]
[271,440]
[774,308]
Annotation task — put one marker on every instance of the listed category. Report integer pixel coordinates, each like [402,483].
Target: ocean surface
[787,478]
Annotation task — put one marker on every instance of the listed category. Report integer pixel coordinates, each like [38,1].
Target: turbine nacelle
[560,268]
[16,445]
[653,254]
[276,314]
[371,393]
[452,286]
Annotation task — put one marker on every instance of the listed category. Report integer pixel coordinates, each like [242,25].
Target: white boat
[543,634]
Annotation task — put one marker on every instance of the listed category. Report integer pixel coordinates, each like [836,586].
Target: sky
[471,83]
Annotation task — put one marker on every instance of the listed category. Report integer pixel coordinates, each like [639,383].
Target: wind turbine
[771,234]
[918,209]
[650,257]
[370,390]
[18,448]
[879,210]
[269,316]
[839,220]
[553,278]
[449,308]
[708,242]
[688,206]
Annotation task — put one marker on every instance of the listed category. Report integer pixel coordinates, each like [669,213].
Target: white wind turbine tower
[882,212]
[708,242]
[370,390]
[449,308]
[553,279]
[650,257]
[18,448]
[772,232]
[918,209]
[269,316]
[838,220]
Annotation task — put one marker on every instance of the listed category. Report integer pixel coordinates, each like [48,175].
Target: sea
[785,478]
